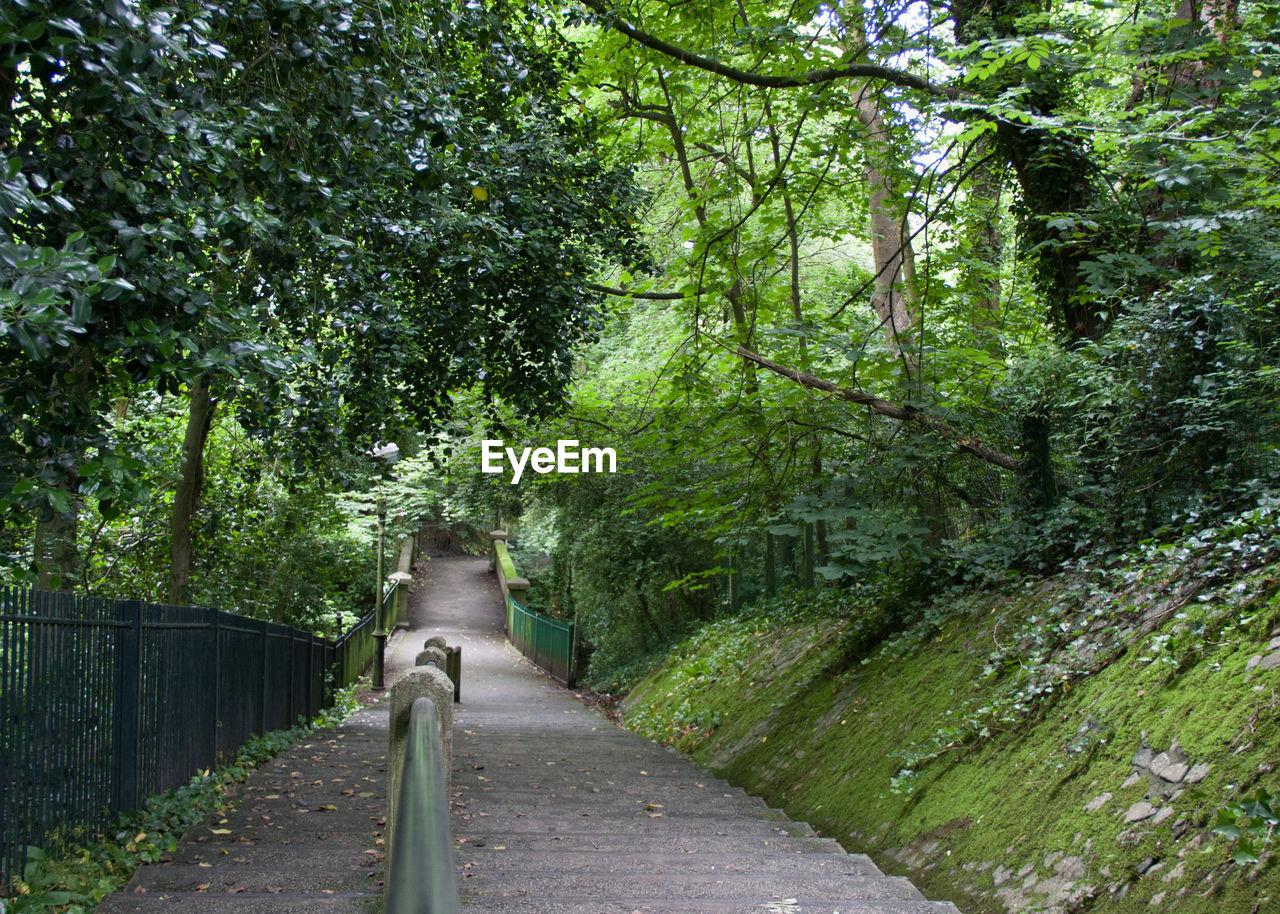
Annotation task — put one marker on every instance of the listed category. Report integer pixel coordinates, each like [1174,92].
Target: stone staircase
[555,810]
[559,811]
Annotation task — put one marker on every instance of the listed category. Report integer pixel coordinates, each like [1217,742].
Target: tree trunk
[894,297]
[770,570]
[986,243]
[56,554]
[186,498]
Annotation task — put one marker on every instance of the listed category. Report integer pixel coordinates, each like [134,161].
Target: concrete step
[623,845]
[678,791]
[284,856]
[600,768]
[313,874]
[655,805]
[583,824]
[689,886]
[759,863]
[484,778]
[239,903]
[617,905]
[332,834]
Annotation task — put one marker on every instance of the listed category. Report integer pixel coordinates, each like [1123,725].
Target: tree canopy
[328,216]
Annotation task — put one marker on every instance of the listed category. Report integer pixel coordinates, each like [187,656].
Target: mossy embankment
[1062,744]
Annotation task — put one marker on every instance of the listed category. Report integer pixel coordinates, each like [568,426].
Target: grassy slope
[999,822]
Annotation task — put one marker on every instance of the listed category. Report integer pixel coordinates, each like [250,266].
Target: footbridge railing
[548,642]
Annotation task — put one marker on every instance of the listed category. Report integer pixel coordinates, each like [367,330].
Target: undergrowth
[1102,606]
[935,743]
[87,867]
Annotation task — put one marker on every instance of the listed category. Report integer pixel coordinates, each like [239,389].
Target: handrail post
[379,660]
[379,607]
[401,581]
[421,876]
[495,537]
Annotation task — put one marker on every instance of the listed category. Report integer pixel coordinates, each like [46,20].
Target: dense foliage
[319,220]
[944,293]
[871,299]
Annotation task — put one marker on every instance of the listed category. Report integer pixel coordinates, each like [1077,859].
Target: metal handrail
[420,870]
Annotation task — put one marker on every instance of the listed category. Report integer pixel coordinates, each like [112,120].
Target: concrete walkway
[556,810]
[302,833]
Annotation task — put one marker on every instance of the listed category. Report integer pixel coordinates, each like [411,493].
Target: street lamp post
[380,624]
[389,454]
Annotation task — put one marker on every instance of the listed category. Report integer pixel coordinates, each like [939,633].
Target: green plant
[1251,824]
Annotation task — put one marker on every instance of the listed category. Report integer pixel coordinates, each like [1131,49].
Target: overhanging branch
[868,71]
[935,426]
[650,296]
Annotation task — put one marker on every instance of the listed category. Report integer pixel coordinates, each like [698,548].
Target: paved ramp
[558,811]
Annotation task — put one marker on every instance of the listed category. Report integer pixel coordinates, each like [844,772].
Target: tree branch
[651,296]
[884,408]
[868,71]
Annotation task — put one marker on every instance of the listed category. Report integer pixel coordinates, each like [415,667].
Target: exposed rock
[1146,864]
[1139,811]
[1270,662]
[1001,874]
[1252,662]
[1132,780]
[1097,802]
[1164,813]
[1142,758]
[1197,773]
[1063,890]
[1157,899]
[1170,766]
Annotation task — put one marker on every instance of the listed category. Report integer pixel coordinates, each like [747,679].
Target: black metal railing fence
[106,702]
[353,652]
